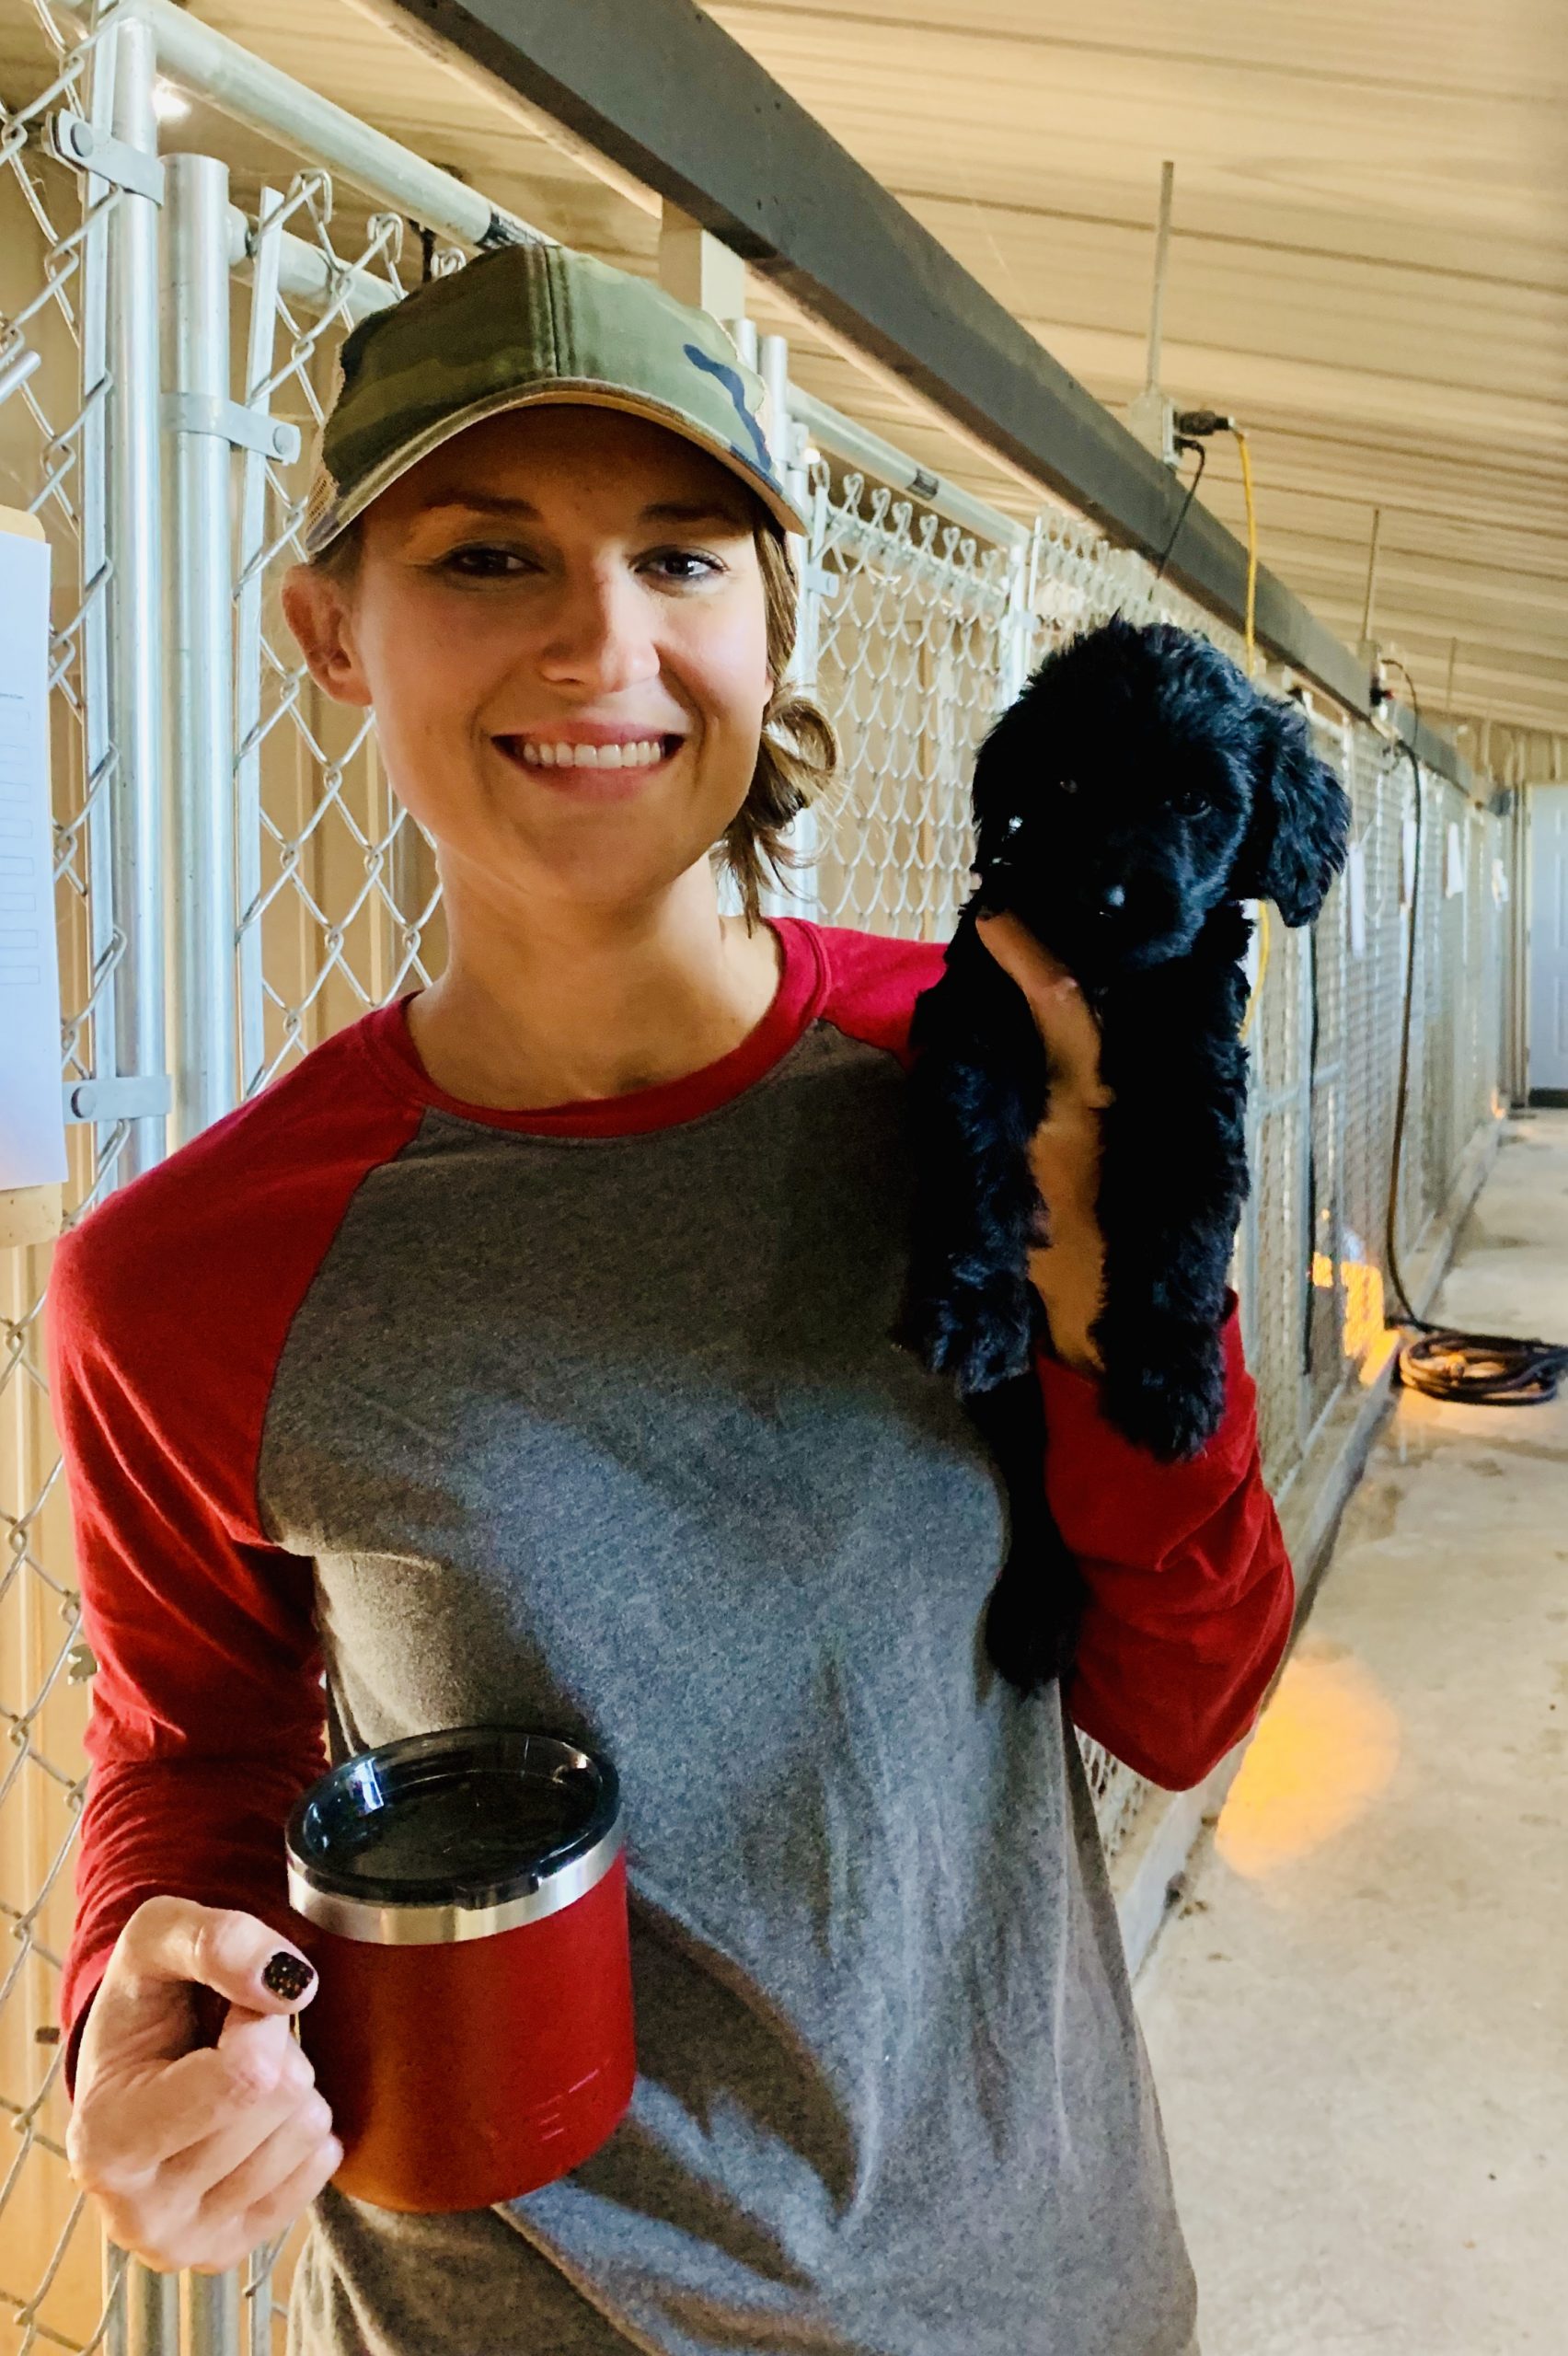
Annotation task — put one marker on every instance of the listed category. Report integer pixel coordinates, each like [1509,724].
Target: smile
[645,754]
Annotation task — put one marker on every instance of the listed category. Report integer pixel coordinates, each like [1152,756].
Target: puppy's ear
[1298,833]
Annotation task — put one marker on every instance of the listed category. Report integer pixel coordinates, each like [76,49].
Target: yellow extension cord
[1251,545]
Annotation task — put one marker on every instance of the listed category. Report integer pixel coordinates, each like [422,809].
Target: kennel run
[166,350]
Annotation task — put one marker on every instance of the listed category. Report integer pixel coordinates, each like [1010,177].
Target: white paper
[1454,879]
[32,1126]
[1355,899]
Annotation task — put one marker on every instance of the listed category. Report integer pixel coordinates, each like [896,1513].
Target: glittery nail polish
[288,1974]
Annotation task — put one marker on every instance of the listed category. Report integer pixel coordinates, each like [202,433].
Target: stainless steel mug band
[419,1926]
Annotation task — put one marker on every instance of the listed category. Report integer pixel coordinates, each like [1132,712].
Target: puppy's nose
[1113,895]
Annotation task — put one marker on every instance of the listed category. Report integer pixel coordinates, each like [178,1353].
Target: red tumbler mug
[471,2028]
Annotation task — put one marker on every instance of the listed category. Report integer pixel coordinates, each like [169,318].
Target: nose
[599,634]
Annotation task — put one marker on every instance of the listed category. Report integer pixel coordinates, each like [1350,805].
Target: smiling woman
[522,1356]
[555,587]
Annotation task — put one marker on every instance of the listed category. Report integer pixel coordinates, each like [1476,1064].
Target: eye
[686,556]
[1067,785]
[1190,801]
[481,560]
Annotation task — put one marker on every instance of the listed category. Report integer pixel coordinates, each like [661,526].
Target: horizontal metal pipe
[247,88]
[304,273]
[863,448]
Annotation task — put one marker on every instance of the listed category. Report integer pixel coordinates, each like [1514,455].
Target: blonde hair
[797,755]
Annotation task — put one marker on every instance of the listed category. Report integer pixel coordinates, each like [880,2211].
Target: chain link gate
[305,895]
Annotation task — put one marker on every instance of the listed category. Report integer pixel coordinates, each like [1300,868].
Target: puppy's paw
[977,1336]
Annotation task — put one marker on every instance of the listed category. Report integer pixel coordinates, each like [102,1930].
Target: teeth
[594,757]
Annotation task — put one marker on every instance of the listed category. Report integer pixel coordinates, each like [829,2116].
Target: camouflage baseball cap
[524,325]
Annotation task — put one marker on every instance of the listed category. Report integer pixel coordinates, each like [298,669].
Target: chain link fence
[318,898]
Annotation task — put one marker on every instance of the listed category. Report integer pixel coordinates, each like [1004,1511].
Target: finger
[169,1943]
[235,2132]
[260,2175]
[261,2047]
[131,2127]
[1063,1016]
[1036,969]
[292,2197]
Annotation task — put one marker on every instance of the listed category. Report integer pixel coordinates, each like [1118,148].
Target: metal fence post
[146,2317]
[211,2313]
[201,965]
[135,592]
[101,199]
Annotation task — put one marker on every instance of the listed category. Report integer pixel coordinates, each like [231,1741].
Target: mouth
[592,772]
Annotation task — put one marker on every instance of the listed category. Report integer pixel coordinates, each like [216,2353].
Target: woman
[522,1355]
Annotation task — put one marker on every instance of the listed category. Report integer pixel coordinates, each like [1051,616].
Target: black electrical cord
[1182,443]
[1445,1361]
[1307,1318]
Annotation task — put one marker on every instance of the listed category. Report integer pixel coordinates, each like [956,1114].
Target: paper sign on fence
[32,1128]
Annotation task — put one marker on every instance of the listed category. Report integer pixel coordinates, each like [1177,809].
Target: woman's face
[555,578]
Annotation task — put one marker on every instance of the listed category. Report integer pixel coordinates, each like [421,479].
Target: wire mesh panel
[910,650]
[338,891]
[318,896]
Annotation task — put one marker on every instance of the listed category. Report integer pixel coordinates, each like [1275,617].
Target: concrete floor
[1359,2021]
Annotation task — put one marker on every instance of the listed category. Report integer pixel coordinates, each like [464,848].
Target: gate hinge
[136,1096]
[247,429]
[76,141]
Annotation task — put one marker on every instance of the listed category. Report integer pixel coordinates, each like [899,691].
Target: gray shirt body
[603,1433]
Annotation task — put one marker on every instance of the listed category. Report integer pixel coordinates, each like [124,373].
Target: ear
[317,612]
[1298,833]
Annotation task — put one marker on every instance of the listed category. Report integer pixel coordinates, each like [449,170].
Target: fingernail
[288,1974]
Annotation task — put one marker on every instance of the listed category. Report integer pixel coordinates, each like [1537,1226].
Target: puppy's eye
[1190,801]
[1067,785]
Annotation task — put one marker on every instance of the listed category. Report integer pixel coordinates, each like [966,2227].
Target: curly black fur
[1137,790]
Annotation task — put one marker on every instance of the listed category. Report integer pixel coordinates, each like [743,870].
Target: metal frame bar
[136,591]
[200,630]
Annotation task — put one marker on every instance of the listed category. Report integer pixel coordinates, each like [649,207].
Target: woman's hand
[196,2154]
[1069,1272]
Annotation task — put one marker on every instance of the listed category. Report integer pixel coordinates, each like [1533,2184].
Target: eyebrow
[660,511]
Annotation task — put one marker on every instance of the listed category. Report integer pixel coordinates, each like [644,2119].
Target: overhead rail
[764,175]
[237,82]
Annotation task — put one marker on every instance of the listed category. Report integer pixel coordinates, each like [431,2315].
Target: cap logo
[737,392]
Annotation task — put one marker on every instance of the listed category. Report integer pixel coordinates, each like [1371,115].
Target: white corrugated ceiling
[1368,267]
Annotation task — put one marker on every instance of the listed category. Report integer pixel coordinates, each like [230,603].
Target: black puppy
[1137,790]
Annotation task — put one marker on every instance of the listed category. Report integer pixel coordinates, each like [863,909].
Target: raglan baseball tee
[383,1413]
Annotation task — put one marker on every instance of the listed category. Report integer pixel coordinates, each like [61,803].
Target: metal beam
[668,96]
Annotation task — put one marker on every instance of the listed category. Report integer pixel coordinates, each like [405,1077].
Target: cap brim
[341,511]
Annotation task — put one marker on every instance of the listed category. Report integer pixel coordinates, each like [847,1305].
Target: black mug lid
[469,1816]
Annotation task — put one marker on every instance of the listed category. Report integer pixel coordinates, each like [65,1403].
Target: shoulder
[212,1243]
[870,981]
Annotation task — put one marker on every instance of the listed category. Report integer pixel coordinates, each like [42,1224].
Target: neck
[571,1001]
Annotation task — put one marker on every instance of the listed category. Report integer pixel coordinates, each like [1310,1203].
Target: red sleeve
[207,1708]
[1190,1596]
[167,1309]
